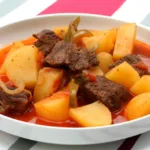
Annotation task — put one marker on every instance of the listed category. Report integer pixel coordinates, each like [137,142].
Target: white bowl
[60,135]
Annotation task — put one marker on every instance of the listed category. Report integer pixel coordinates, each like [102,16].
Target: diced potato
[61,31]
[22,65]
[55,108]
[95,114]
[124,74]
[102,43]
[96,71]
[92,43]
[77,38]
[141,86]
[16,45]
[98,32]
[105,60]
[48,82]
[138,107]
[125,40]
[107,42]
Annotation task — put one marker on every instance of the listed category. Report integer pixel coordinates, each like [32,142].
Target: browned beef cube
[46,40]
[135,61]
[66,54]
[16,103]
[112,94]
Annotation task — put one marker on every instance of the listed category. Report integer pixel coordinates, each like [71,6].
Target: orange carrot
[141,48]
[3,53]
[29,41]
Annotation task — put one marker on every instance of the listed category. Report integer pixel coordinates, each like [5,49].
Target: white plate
[59,135]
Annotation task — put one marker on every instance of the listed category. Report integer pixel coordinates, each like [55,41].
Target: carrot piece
[141,48]
[3,53]
[29,41]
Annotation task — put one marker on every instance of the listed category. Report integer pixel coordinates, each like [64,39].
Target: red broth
[118,117]
[30,116]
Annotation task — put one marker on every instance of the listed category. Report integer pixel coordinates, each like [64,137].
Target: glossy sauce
[118,117]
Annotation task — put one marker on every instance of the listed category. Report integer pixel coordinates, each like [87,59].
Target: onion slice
[19,84]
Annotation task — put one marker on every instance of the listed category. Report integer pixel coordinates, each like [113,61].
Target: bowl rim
[28,124]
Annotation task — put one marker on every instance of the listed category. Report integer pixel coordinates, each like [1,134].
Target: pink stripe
[103,7]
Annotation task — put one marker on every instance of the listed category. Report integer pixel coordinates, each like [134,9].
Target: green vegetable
[73,89]
[72,30]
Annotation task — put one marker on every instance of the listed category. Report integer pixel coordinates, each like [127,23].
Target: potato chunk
[124,74]
[138,107]
[95,114]
[22,65]
[55,108]
[96,71]
[125,40]
[61,31]
[101,43]
[141,86]
[48,82]
[105,60]
[15,46]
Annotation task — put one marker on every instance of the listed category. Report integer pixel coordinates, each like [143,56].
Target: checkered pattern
[129,10]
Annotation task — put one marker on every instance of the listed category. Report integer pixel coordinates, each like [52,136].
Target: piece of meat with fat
[16,103]
[67,54]
[135,61]
[46,41]
[111,94]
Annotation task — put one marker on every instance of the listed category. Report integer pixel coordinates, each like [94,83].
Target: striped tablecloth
[129,10]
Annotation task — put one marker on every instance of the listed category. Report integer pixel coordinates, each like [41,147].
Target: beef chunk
[16,103]
[46,40]
[135,61]
[66,54]
[108,92]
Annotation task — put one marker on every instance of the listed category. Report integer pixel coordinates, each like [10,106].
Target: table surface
[129,10]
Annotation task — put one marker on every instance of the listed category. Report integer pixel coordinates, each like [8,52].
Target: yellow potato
[101,43]
[96,71]
[98,32]
[105,60]
[91,42]
[125,40]
[48,82]
[22,65]
[138,107]
[95,114]
[107,42]
[61,31]
[124,74]
[16,45]
[55,108]
[141,86]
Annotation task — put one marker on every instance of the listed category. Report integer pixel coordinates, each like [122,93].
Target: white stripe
[29,9]
[6,140]
[143,142]
[107,146]
[133,10]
